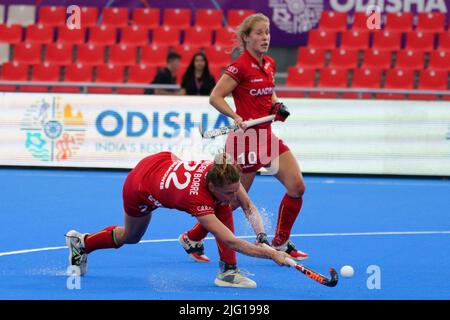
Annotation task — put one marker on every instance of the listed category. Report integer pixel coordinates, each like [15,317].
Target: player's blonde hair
[246,27]
[223,172]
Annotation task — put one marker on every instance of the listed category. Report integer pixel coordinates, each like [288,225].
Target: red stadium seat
[211,19]
[343,59]
[59,54]
[122,55]
[322,39]
[310,58]
[198,37]
[430,22]
[439,60]
[374,58]
[217,56]
[419,41]
[330,78]
[53,16]
[216,71]
[27,53]
[146,17]
[71,36]
[444,41]
[359,22]
[141,74]
[75,73]
[44,72]
[13,71]
[107,73]
[355,39]
[89,16]
[397,79]
[134,35]
[186,52]
[300,77]
[90,55]
[399,21]
[386,40]
[225,37]
[236,16]
[166,36]
[102,35]
[177,18]
[154,55]
[333,21]
[10,33]
[431,80]
[39,33]
[364,79]
[410,59]
[115,17]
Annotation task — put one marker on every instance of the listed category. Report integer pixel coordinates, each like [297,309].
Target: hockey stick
[233,127]
[329,282]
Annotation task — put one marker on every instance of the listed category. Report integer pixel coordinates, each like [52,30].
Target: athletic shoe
[77,253]
[234,278]
[290,249]
[194,249]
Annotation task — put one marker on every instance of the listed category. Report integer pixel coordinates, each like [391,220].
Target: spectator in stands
[167,76]
[197,80]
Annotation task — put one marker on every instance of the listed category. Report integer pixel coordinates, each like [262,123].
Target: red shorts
[254,148]
[135,202]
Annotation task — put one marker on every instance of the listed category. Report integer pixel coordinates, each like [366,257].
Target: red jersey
[253,94]
[163,180]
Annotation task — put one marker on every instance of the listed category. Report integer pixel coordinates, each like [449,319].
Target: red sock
[287,213]
[197,233]
[225,214]
[101,240]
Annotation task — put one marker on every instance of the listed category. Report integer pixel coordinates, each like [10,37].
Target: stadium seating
[410,59]
[399,21]
[333,21]
[134,35]
[330,78]
[198,37]
[154,55]
[310,58]
[71,36]
[59,54]
[115,17]
[433,22]
[27,53]
[146,17]
[420,41]
[386,40]
[44,72]
[166,36]
[21,14]
[177,18]
[102,35]
[10,33]
[39,33]
[374,58]
[89,16]
[236,16]
[397,79]
[141,74]
[366,78]
[13,71]
[75,73]
[322,39]
[122,55]
[343,59]
[53,16]
[107,73]
[89,54]
[210,19]
[355,40]
[431,80]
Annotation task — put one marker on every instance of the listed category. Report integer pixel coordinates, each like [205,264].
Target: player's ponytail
[246,27]
[223,172]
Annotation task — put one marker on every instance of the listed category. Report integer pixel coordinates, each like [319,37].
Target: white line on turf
[383,233]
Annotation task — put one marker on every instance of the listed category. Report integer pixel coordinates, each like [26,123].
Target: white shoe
[233,278]
[77,252]
[194,249]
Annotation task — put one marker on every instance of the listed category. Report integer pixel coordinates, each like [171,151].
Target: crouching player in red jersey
[204,189]
[250,80]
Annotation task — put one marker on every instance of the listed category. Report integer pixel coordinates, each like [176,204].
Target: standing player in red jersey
[204,189]
[250,80]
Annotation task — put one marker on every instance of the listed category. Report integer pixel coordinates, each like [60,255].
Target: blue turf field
[400,225]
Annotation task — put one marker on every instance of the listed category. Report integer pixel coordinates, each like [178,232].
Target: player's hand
[262,238]
[240,122]
[280,111]
[279,257]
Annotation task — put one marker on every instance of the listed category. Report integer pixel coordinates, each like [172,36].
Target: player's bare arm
[222,233]
[223,88]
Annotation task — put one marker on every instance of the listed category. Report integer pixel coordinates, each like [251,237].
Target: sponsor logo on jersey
[204,208]
[261,91]
[257,80]
[232,69]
